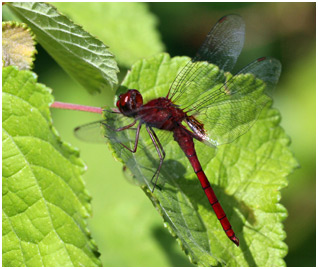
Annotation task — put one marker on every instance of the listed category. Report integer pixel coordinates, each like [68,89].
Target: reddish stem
[91,109]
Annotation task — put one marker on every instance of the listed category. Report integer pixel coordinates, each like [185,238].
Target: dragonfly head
[128,103]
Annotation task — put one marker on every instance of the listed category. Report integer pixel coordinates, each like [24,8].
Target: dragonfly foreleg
[161,154]
[121,128]
[125,128]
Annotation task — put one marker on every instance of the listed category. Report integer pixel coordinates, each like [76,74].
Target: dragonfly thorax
[129,103]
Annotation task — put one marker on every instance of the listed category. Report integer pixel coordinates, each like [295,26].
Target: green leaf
[132,37]
[82,56]
[18,45]
[44,200]
[246,176]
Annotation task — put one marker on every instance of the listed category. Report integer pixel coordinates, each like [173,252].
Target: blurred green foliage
[124,225]
[113,21]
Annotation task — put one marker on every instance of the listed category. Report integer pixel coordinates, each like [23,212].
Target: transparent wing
[229,111]
[94,132]
[224,43]
[221,47]
[91,132]
[105,131]
[100,131]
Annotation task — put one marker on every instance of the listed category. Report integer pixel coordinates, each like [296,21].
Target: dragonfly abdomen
[219,212]
[185,140]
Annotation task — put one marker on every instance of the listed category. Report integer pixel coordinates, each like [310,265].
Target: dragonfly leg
[112,110]
[160,151]
[125,128]
[121,128]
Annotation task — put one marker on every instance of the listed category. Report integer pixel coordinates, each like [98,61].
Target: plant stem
[91,109]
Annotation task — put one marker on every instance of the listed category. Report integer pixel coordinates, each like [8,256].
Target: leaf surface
[44,200]
[132,37]
[82,56]
[246,176]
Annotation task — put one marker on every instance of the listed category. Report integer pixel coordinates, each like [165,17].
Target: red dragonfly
[205,104]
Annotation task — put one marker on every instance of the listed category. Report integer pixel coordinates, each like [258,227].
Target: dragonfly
[204,103]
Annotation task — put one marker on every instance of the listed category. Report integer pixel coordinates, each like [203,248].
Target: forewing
[229,111]
[221,47]
[91,132]
[224,43]
[94,132]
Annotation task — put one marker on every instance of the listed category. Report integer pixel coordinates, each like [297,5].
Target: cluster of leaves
[45,202]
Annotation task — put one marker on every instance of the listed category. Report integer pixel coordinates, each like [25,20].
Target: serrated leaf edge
[112,80]
[81,166]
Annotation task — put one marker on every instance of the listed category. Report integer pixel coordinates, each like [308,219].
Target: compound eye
[129,102]
[121,100]
[137,99]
